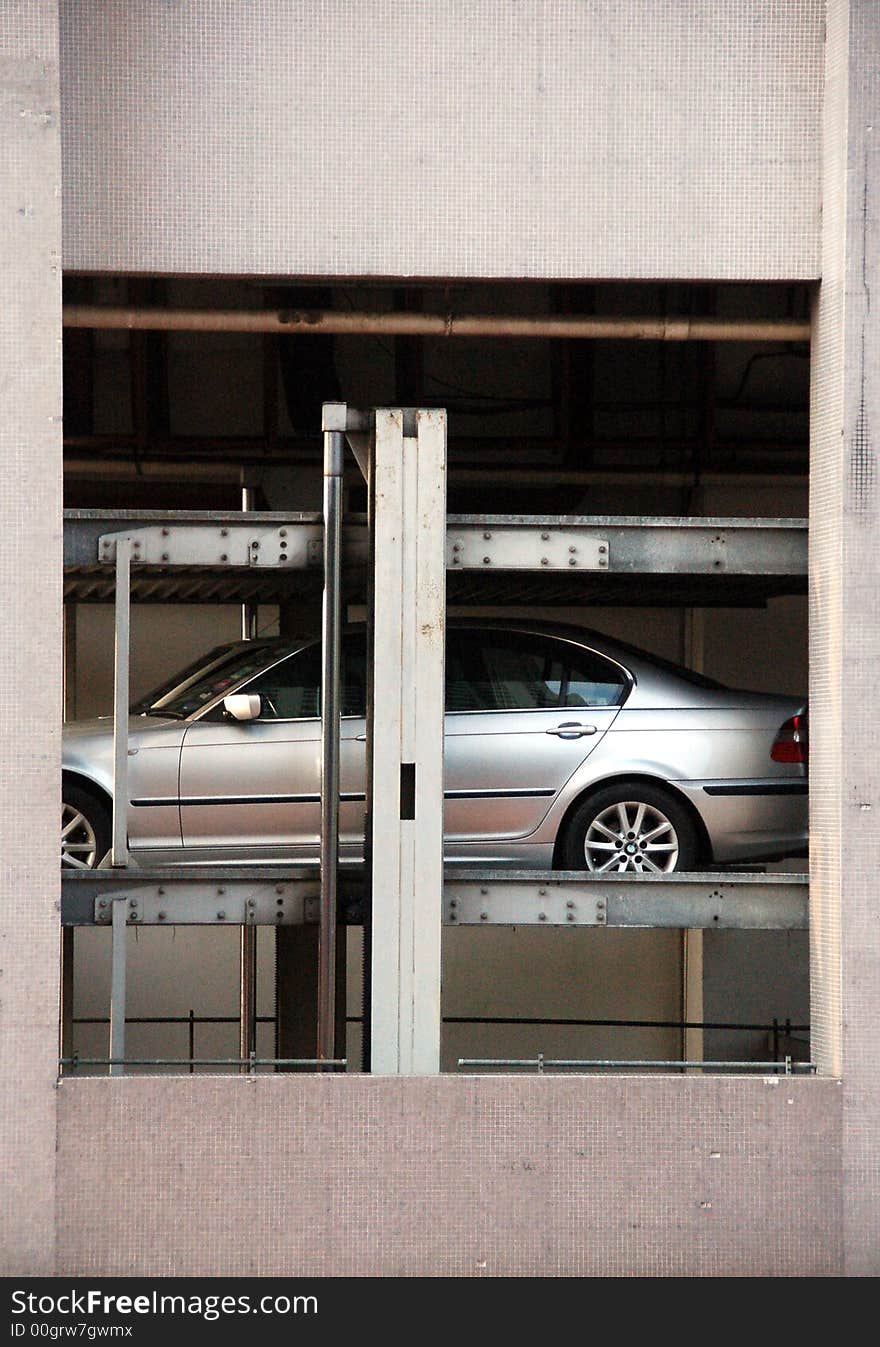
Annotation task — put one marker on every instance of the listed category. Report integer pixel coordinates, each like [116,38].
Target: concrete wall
[845,616]
[30,653]
[558,138]
[366,1176]
[592,1176]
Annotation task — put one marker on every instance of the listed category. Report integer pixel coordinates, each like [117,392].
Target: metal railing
[777,1031]
[542,1064]
[251,1062]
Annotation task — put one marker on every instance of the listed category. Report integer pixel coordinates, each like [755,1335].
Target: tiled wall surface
[30,652]
[845,617]
[353,1176]
[827,412]
[602,146]
[846,613]
[559,138]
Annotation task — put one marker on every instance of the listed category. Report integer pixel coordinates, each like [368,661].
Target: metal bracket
[235,903]
[476,547]
[294,546]
[522,904]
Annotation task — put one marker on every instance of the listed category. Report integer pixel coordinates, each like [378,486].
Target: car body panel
[261,780]
[204,788]
[153,771]
[503,769]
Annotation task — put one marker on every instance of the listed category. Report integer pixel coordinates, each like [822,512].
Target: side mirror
[243,705]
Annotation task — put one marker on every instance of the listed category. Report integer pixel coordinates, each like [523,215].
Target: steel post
[121,702]
[70,661]
[65,1037]
[330,701]
[249,611]
[409,617]
[247,997]
[117,987]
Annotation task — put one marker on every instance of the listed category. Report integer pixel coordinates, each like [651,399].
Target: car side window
[292,689]
[512,671]
[354,678]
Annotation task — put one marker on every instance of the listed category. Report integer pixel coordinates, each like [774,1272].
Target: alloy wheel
[631,836]
[79,845]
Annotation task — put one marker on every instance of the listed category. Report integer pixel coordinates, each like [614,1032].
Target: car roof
[638,662]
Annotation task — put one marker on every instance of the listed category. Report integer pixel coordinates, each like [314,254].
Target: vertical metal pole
[66,1017]
[249,611]
[330,687]
[367,928]
[247,987]
[70,661]
[121,702]
[692,1040]
[67,932]
[247,1009]
[117,986]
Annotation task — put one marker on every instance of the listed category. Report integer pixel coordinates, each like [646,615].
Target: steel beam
[633,545]
[713,900]
[710,901]
[622,544]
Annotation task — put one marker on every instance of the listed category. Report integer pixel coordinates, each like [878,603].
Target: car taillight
[792,741]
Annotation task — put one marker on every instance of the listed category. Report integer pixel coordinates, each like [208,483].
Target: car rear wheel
[630,829]
[85,829]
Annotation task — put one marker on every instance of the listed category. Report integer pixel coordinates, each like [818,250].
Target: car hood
[101,727]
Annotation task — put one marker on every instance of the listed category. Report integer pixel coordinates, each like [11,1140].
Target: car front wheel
[630,829]
[85,829]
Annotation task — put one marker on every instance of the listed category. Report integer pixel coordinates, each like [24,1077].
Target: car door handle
[573,729]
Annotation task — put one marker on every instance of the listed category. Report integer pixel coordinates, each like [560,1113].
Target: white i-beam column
[409,612]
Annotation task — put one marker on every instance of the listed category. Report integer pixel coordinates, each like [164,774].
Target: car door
[523,712]
[256,784]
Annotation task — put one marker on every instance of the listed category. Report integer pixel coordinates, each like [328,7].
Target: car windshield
[193,687]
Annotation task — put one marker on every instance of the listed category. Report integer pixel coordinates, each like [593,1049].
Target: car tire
[659,836]
[85,829]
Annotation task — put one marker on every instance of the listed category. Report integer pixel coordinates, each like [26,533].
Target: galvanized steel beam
[616,544]
[685,901]
[260,897]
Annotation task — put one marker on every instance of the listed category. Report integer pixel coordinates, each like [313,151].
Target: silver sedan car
[564,748]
